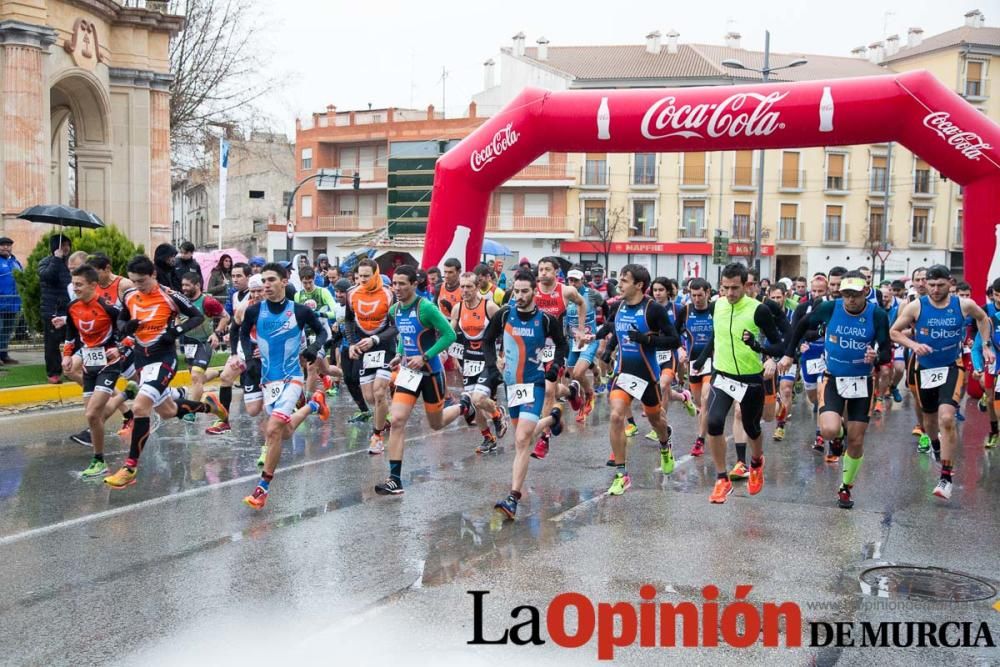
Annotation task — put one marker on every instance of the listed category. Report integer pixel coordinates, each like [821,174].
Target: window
[693,220]
[347,158]
[347,205]
[921,232]
[958,230]
[833,229]
[306,202]
[507,211]
[876,224]
[921,178]
[974,85]
[256,194]
[643,218]
[835,171]
[741,219]
[286,198]
[259,225]
[536,205]
[694,169]
[594,217]
[790,177]
[307,158]
[596,170]
[644,169]
[878,175]
[743,171]
[788,223]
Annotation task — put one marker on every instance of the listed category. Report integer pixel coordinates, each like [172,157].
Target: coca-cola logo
[731,117]
[969,144]
[505,137]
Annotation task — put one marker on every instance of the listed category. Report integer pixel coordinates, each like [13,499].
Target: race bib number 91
[520,394]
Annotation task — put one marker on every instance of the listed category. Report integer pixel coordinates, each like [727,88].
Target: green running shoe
[131,390]
[263,456]
[189,418]
[924,444]
[652,436]
[667,461]
[631,430]
[95,469]
[991,440]
[620,484]
[689,405]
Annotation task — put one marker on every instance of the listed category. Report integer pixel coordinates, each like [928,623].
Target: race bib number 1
[852,387]
[933,377]
[816,366]
[520,394]
[374,359]
[631,385]
[408,378]
[730,386]
[94,357]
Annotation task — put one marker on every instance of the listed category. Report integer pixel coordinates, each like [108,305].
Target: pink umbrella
[208,260]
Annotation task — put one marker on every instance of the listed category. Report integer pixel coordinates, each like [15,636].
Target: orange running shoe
[756,482]
[723,487]
[319,398]
[257,499]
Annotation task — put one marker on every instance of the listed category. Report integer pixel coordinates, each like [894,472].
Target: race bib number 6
[734,388]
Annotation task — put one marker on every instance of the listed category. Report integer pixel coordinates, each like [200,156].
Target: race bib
[408,378]
[816,366]
[472,369]
[456,351]
[272,391]
[791,372]
[374,359]
[663,356]
[734,388]
[547,354]
[94,357]
[933,377]
[852,387]
[150,373]
[520,394]
[631,385]
[190,350]
[706,369]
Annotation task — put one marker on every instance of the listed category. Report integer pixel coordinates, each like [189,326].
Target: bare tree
[217,63]
[876,240]
[602,235]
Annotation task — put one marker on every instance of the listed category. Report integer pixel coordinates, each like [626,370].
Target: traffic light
[357,181]
[720,250]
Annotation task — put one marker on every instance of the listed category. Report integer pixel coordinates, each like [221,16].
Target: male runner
[581,357]
[227,375]
[199,343]
[699,331]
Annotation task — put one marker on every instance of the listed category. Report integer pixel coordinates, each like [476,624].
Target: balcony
[975,91]
[790,231]
[791,180]
[595,176]
[529,224]
[834,232]
[877,183]
[692,232]
[838,185]
[741,228]
[743,179]
[543,175]
[371,178]
[924,185]
[956,236]
[349,223]
[643,179]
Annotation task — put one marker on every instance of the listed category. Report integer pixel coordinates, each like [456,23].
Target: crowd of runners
[533,356]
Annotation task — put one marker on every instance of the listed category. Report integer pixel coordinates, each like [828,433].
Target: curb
[67,392]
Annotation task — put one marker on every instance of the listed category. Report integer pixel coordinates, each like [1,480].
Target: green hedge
[107,240]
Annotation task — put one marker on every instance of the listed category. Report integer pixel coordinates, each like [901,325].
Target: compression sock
[851,467]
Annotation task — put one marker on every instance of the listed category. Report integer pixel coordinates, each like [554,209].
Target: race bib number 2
[631,385]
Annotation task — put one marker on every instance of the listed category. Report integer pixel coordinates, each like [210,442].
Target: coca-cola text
[969,144]
[716,120]
[505,137]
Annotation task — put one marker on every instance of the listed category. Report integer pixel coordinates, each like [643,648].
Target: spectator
[222,278]
[256,264]
[322,264]
[10,302]
[164,258]
[434,280]
[54,279]
[186,263]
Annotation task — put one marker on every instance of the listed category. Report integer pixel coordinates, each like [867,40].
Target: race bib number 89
[272,392]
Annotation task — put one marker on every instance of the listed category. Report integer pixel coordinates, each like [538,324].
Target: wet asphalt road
[176,570]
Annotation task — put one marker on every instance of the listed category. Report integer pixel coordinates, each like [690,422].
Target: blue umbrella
[491,247]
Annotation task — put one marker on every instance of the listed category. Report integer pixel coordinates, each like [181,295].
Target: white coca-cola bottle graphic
[994,271]
[826,111]
[457,248]
[604,120]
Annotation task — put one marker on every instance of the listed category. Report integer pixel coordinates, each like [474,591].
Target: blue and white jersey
[847,340]
[943,329]
[572,316]
[277,330]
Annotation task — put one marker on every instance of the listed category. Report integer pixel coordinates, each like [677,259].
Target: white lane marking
[877,551]
[152,502]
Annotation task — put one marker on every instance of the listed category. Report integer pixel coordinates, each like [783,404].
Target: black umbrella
[57,214]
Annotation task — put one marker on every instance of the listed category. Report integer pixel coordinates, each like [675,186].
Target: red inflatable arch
[914,109]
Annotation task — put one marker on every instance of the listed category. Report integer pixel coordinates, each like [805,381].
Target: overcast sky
[390,53]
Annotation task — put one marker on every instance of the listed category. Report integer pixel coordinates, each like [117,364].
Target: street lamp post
[765,73]
[327,173]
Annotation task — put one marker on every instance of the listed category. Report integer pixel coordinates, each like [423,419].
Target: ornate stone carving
[83,46]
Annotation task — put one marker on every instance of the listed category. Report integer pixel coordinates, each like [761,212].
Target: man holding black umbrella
[10,302]
[54,279]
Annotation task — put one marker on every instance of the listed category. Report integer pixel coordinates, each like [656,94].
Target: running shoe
[262,459]
[943,489]
[216,406]
[501,423]
[375,445]
[924,444]
[124,477]
[756,482]
[218,428]
[508,506]
[257,499]
[125,432]
[359,417]
[918,430]
[611,460]
[723,489]
[991,440]
[652,436]
[981,403]
[333,391]
[189,418]
[699,447]
[819,445]
[389,487]
[575,396]
[896,396]
[95,469]
[878,407]
[779,434]
[131,390]
[844,500]
[319,398]
[631,430]
[327,382]
[667,462]
[689,405]
[739,471]
[557,425]
[620,484]
[82,438]
[468,412]
[488,446]
[541,447]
